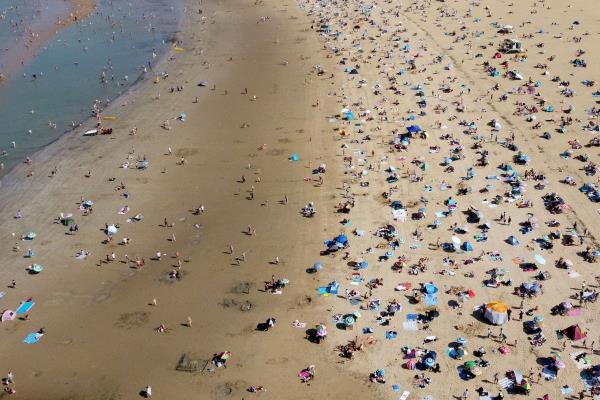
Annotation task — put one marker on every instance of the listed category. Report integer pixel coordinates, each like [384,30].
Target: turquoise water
[120,39]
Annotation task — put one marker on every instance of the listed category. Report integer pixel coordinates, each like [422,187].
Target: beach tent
[430,288]
[512,240]
[8,315]
[496,312]
[574,332]
[467,246]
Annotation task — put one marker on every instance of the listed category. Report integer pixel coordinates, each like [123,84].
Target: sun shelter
[574,332]
[496,312]
[512,240]
[467,246]
[8,315]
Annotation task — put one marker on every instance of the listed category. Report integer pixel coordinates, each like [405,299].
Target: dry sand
[100,341]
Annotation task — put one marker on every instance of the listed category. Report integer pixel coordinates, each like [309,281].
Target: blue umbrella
[414,129]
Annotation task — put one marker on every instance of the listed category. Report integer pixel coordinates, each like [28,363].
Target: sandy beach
[398,122]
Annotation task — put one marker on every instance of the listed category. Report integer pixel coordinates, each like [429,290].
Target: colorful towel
[33,338]
[25,307]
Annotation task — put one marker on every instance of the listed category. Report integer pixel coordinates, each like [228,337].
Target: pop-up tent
[496,312]
[512,240]
[574,332]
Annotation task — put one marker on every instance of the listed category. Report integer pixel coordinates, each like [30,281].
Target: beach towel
[410,326]
[566,390]
[431,300]
[411,317]
[405,395]
[574,312]
[298,324]
[505,383]
[581,363]
[395,388]
[33,337]
[25,307]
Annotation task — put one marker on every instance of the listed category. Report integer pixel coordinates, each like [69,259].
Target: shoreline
[31,42]
[114,107]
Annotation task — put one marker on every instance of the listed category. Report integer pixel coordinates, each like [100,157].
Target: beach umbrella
[111,230]
[321,330]
[429,359]
[36,268]
[30,235]
[456,240]
[342,239]
[414,129]
[363,264]
[539,259]
[318,266]
[294,157]
[470,364]
[496,312]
